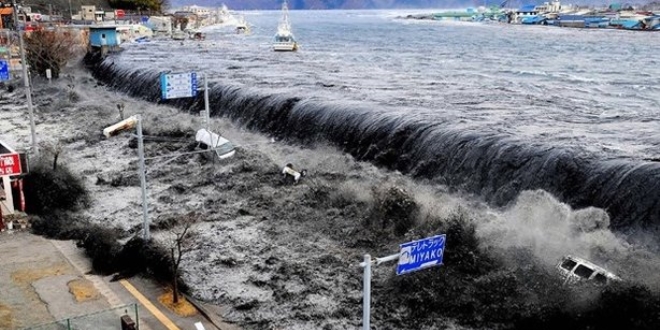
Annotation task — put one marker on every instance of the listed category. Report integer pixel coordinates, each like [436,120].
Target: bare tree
[120,107]
[162,5]
[73,96]
[54,148]
[181,242]
[51,50]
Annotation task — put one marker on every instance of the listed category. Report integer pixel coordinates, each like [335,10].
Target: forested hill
[61,7]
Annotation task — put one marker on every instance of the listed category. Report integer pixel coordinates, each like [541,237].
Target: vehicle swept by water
[207,139]
[284,39]
[574,269]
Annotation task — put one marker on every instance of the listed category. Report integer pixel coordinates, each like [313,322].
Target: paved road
[43,280]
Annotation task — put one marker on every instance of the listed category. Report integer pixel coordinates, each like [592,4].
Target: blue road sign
[177,85]
[420,254]
[4,70]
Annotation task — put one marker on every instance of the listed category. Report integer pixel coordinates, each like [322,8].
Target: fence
[108,319]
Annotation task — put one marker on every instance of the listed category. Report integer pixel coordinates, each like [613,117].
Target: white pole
[143,179]
[366,283]
[207,114]
[366,297]
[26,79]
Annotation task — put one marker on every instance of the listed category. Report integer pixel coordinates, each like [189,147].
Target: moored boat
[284,39]
[242,26]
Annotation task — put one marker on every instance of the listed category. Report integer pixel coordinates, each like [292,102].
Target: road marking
[148,305]
[83,265]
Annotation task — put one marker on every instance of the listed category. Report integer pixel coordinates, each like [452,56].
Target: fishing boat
[284,39]
[179,35]
[242,26]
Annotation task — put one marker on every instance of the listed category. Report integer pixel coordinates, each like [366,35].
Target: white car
[574,269]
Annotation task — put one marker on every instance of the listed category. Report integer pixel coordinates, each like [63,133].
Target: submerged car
[574,269]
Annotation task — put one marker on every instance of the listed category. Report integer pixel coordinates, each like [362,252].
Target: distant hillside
[371,4]
[319,4]
[61,7]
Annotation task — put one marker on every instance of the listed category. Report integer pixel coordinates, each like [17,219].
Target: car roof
[592,266]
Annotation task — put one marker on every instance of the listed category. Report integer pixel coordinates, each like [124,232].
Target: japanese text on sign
[421,254]
[10,164]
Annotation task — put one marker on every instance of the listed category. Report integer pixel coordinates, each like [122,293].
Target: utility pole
[143,179]
[207,109]
[26,79]
[70,10]
[133,121]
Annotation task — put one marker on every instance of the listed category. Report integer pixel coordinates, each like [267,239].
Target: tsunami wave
[495,166]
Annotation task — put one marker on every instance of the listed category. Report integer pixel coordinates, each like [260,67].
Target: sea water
[492,108]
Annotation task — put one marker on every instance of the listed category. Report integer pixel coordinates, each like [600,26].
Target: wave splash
[495,166]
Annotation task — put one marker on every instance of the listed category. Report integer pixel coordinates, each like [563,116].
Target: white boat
[284,39]
[242,26]
[179,35]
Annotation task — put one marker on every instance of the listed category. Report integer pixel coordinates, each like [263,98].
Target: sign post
[413,256]
[207,110]
[366,296]
[26,80]
[143,179]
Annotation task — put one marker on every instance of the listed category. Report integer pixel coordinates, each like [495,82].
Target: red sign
[119,13]
[10,164]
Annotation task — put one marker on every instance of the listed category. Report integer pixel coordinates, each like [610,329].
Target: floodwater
[556,126]
[494,109]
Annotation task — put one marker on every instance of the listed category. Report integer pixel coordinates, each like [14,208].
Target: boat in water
[179,35]
[284,39]
[242,26]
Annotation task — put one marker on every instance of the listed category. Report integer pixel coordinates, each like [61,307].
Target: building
[88,13]
[161,25]
[6,18]
[9,181]
[104,39]
[197,10]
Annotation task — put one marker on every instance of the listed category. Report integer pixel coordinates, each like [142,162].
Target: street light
[129,123]
[26,79]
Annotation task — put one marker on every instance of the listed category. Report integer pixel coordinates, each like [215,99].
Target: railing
[108,319]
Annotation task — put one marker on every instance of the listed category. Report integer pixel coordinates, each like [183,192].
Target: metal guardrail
[108,319]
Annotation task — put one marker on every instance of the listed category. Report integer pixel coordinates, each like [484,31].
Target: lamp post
[26,79]
[143,179]
[135,121]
